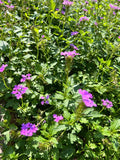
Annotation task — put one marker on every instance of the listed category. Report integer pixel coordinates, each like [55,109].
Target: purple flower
[43,36]
[119,37]
[19,90]
[57,118]
[64,8]
[9,1]
[96,23]
[24,77]
[83,19]
[86,2]
[114,7]
[74,33]
[28,129]
[70,53]
[45,100]
[101,17]
[63,12]
[57,9]
[11,6]
[1,2]
[67,3]
[107,103]
[85,10]
[73,46]
[87,98]
[114,13]
[2,68]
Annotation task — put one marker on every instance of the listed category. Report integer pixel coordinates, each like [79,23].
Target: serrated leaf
[115,124]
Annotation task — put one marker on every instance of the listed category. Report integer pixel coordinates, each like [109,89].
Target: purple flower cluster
[67,3]
[28,129]
[69,53]
[45,100]
[19,90]
[2,68]
[9,6]
[87,98]
[57,118]
[73,46]
[24,77]
[84,19]
[96,23]
[107,103]
[1,2]
[114,7]
[74,33]
[85,10]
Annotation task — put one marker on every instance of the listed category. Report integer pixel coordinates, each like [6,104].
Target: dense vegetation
[60,79]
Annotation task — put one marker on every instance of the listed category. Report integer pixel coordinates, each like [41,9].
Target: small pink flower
[43,36]
[70,53]
[2,68]
[83,19]
[96,23]
[107,103]
[24,77]
[119,37]
[57,118]
[67,3]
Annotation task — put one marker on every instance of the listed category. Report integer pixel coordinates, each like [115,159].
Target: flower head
[74,33]
[114,7]
[19,90]
[45,100]
[63,12]
[85,10]
[73,46]
[70,53]
[28,129]
[43,36]
[9,6]
[96,23]
[1,2]
[83,19]
[24,77]
[57,118]
[67,3]
[57,9]
[87,98]
[2,68]
[107,103]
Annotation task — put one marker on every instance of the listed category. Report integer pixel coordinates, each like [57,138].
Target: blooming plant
[57,118]
[19,90]
[28,129]
[2,68]
[60,95]
[24,77]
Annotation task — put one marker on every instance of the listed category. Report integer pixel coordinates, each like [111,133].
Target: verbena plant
[59,86]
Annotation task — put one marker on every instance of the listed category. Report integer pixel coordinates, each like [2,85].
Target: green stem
[5,83]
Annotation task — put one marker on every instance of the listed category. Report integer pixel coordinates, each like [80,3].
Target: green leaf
[58,129]
[67,152]
[7,134]
[115,124]
[72,137]
[52,5]
[3,45]
[95,114]
[66,114]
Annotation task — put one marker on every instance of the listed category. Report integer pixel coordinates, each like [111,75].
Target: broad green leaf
[115,124]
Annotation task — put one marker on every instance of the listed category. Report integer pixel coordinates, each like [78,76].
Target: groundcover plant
[60,79]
